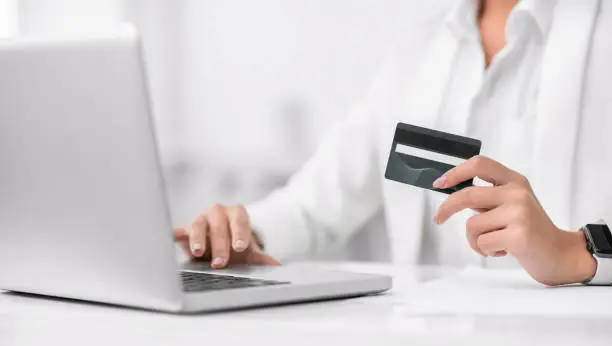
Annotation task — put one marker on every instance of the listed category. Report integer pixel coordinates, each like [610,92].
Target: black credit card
[419,156]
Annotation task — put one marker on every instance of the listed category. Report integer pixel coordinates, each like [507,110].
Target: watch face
[601,240]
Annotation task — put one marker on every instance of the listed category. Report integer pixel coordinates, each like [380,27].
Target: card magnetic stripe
[436,141]
[423,172]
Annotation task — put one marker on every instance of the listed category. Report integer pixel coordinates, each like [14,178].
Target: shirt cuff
[280,227]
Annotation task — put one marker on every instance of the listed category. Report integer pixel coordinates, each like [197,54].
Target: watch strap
[603,273]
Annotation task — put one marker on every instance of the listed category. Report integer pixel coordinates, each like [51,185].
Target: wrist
[581,262]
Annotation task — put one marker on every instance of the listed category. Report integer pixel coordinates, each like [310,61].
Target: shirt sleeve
[334,193]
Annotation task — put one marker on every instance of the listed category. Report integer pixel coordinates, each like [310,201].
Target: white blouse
[500,100]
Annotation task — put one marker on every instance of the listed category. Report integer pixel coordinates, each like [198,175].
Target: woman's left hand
[511,220]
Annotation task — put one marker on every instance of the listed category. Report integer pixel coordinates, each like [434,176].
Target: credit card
[419,156]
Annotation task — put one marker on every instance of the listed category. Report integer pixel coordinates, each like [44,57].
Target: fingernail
[217,261]
[439,183]
[239,245]
[195,248]
[436,220]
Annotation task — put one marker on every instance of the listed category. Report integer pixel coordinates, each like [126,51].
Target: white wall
[265,78]
[67,16]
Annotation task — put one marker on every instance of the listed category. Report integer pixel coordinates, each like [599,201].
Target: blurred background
[242,89]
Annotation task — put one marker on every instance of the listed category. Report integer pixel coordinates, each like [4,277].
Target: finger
[489,221]
[480,210]
[475,197]
[493,243]
[219,236]
[182,238]
[180,234]
[197,235]
[258,257]
[478,166]
[240,227]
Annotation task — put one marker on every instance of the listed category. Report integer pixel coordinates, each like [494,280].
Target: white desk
[380,320]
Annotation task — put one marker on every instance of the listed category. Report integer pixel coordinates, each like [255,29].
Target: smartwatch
[599,244]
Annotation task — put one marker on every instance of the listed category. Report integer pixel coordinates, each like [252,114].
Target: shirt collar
[539,11]
[462,17]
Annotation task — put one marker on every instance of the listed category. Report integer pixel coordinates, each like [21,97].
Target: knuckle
[218,225]
[473,194]
[473,241]
[522,217]
[521,233]
[217,221]
[217,209]
[482,242]
[218,231]
[468,194]
[472,224]
[522,180]
[516,213]
[521,195]
[239,208]
[477,161]
[199,222]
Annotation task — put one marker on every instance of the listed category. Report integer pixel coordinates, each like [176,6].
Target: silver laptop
[83,212]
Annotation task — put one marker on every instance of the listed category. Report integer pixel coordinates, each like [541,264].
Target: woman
[529,79]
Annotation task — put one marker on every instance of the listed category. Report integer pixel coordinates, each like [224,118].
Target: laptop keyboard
[200,282]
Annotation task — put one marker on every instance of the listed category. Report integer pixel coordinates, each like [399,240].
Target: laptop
[83,210]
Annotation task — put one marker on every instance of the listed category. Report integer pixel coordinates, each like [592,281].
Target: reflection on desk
[377,320]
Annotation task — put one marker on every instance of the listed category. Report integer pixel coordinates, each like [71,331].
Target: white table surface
[377,320]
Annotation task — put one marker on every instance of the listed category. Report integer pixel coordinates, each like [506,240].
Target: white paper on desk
[477,291]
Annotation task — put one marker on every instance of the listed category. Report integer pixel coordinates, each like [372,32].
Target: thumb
[180,234]
[258,257]
[182,238]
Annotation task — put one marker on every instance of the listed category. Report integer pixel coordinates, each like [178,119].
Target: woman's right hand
[223,235]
